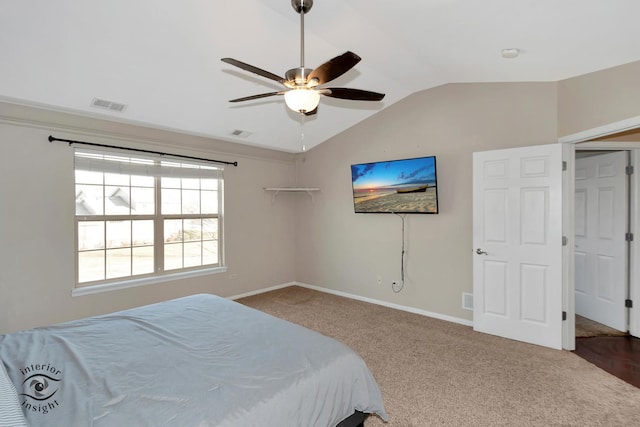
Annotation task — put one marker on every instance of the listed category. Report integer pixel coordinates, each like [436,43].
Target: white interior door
[634,245]
[517,238]
[600,244]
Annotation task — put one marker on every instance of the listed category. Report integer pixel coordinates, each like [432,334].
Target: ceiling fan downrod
[302,7]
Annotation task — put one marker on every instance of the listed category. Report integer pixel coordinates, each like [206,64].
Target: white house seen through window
[141,215]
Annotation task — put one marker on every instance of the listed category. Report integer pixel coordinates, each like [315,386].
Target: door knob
[480,252]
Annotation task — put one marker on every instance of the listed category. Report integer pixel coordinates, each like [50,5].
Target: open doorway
[615,350]
[607,139]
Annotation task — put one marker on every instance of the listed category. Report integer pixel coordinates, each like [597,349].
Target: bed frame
[355,420]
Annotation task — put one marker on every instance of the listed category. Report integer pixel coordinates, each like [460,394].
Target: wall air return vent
[108,105]
[467,301]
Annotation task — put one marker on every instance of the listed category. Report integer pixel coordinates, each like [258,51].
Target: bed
[196,361]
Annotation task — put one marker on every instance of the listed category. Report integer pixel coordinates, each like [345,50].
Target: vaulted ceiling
[161,58]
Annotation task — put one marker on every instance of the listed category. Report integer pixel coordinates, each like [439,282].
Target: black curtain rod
[70,141]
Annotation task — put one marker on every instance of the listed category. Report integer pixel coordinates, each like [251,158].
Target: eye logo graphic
[40,387]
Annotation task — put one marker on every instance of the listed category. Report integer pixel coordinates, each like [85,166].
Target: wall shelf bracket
[277,190]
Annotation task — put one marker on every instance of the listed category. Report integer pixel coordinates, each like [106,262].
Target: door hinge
[629,170]
[565,241]
[628,303]
[564,165]
[628,237]
[564,316]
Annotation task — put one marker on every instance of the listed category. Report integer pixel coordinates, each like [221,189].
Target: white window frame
[189,169]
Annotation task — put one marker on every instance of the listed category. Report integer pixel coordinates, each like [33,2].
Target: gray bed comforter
[196,361]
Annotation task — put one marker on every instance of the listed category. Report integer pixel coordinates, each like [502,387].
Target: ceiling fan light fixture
[302,100]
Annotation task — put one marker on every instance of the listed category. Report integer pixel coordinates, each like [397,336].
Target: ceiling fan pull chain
[302,118]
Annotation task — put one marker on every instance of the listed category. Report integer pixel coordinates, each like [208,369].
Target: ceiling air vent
[108,105]
[241,133]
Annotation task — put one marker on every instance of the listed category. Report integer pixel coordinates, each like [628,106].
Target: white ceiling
[162,57]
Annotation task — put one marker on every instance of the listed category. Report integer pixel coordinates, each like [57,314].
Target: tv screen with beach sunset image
[396,186]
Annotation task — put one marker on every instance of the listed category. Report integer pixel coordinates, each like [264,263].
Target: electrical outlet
[379,279]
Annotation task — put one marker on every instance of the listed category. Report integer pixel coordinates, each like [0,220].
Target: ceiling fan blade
[334,68]
[249,98]
[252,69]
[354,94]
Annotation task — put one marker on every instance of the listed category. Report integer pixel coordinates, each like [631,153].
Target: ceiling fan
[303,85]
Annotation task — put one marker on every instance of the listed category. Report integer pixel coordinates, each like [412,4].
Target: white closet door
[601,247]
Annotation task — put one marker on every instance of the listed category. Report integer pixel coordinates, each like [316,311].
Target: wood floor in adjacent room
[613,351]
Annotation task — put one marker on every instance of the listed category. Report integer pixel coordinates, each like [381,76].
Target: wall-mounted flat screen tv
[396,186]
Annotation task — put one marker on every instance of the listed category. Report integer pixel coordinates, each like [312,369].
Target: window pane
[191,183]
[86,177]
[172,256]
[118,263]
[118,200]
[192,230]
[172,230]
[117,179]
[142,202]
[209,202]
[190,201]
[170,182]
[118,234]
[90,235]
[210,252]
[89,200]
[142,232]
[143,260]
[142,181]
[209,184]
[90,266]
[171,204]
[209,229]
[192,254]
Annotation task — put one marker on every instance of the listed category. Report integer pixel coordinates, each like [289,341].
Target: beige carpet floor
[438,373]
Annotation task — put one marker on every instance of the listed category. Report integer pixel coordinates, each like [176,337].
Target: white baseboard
[262,291]
[390,305]
[360,298]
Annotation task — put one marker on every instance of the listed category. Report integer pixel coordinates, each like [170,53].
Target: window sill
[132,283]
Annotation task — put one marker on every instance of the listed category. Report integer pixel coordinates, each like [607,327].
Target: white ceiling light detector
[510,53]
